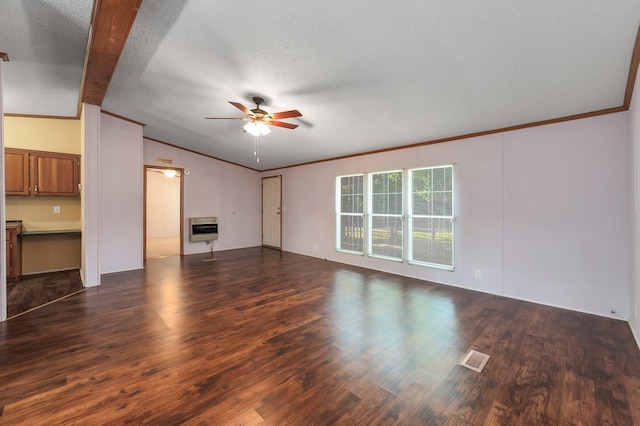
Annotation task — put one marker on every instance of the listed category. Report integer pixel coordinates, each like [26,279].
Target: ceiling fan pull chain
[256,149]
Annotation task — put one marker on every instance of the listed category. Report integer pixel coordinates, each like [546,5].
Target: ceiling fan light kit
[257,128]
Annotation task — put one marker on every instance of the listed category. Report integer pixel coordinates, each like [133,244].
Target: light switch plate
[56,209]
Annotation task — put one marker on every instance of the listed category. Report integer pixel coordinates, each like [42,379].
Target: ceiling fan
[259,119]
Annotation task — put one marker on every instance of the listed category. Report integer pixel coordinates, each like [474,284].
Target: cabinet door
[55,174]
[8,252]
[14,255]
[16,174]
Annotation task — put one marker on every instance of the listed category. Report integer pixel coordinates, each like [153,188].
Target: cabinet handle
[35,188]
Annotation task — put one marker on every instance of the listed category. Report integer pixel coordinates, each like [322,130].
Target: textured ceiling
[46,41]
[366,75]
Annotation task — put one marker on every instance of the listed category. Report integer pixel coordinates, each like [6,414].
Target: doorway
[163,210]
[272,212]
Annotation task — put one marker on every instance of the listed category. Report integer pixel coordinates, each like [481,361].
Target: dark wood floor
[263,337]
[33,291]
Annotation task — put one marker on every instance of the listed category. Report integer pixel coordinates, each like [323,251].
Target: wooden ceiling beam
[110,27]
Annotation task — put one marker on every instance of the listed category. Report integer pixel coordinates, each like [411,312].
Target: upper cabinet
[47,174]
[16,178]
[55,175]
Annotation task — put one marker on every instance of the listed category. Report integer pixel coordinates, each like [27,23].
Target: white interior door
[272,211]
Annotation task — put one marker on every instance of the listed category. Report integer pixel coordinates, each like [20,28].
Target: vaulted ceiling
[366,75]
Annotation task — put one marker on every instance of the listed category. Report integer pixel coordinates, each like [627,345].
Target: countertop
[51,232]
[52,228]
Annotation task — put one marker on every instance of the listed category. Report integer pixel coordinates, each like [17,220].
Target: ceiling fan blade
[241,107]
[286,114]
[225,118]
[282,124]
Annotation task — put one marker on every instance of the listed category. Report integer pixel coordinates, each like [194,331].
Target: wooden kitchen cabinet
[14,251]
[16,164]
[39,173]
[55,175]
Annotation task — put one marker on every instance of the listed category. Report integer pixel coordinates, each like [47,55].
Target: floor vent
[475,361]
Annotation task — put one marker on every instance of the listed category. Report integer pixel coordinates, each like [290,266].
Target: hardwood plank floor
[264,337]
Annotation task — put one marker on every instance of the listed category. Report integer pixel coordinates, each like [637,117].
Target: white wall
[121,190]
[542,212]
[634,137]
[90,195]
[215,188]
[567,219]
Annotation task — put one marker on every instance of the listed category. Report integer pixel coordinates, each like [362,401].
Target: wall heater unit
[203,228]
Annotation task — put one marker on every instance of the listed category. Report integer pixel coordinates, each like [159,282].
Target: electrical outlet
[56,209]
[478,273]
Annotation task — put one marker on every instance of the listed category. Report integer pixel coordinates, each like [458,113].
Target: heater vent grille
[475,361]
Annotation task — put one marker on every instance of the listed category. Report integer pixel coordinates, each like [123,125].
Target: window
[431,216]
[350,213]
[385,227]
[377,210]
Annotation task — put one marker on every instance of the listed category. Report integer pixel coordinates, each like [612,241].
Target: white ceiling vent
[475,361]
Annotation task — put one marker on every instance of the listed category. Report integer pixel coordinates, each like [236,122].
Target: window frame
[339,214]
[411,216]
[371,216]
[406,215]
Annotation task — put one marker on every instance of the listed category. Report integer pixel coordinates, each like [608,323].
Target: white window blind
[385,231]
[431,220]
[350,213]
